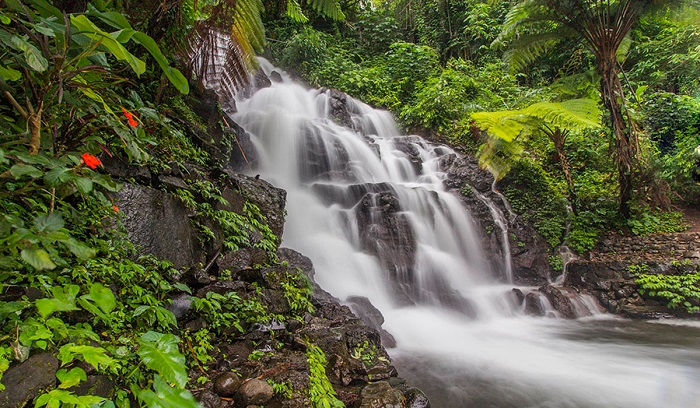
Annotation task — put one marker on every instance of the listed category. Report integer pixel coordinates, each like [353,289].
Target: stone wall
[653,247]
[609,272]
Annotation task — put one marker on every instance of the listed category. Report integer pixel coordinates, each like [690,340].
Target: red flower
[130,118]
[115,208]
[91,161]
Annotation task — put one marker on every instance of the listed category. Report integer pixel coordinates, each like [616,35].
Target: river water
[493,356]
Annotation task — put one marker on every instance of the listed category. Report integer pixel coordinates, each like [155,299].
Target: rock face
[159,224]
[386,233]
[528,250]
[27,380]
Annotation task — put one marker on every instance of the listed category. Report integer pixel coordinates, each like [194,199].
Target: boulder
[254,392]
[226,384]
[25,381]
[159,224]
[380,395]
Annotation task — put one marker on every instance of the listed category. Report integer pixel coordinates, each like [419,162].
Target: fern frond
[528,48]
[294,12]
[497,156]
[574,114]
[504,125]
[329,8]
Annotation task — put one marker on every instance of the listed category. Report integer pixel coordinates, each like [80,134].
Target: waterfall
[368,206]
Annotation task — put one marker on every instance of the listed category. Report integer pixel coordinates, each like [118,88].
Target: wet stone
[254,392]
[226,384]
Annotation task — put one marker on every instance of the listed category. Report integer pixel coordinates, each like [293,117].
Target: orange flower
[91,161]
[130,118]
[115,208]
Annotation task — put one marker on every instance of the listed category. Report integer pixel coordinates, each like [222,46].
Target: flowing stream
[367,205]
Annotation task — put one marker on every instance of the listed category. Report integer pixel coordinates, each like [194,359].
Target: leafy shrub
[531,193]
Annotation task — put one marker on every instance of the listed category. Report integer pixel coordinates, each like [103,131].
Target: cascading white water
[368,207]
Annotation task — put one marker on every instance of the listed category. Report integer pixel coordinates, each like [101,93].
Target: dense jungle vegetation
[587,112]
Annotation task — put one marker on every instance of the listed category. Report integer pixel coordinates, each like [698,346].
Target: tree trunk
[625,142]
[558,137]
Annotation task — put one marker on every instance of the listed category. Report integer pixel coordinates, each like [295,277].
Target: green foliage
[285,389]
[531,193]
[321,392]
[298,290]
[555,263]
[222,312]
[647,222]
[677,290]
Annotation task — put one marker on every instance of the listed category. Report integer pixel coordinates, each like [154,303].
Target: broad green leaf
[34,59]
[70,378]
[7,308]
[38,258]
[58,176]
[19,170]
[83,184]
[63,300]
[176,78]
[49,222]
[103,297]
[62,398]
[112,18]
[160,353]
[88,28]
[95,356]
[79,249]
[45,9]
[9,74]
[166,396]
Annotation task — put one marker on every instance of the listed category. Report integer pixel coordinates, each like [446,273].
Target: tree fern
[508,130]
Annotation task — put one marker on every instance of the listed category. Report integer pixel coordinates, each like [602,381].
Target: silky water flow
[367,205]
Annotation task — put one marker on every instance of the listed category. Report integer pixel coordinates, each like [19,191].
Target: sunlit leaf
[38,258]
[160,353]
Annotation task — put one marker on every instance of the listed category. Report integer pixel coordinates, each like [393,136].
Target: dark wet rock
[180,305]
[254,392]
[372,317]
[528,250]
[226,384]
[271,200]
[465,171]
[99,385]
[119,168]
[24,381]
[208,399]
[517,296]
[560,300]
[415,398]
[296,260]
[614,286]
[533,305]
[380,395]
[339,111]
[243,259]
[196,278]
[386,233]
[158,224]
[261,80]
[275,76]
